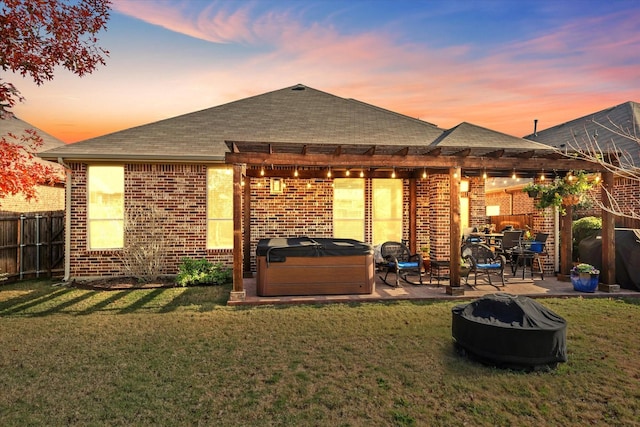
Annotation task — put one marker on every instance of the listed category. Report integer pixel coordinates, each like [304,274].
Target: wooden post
[566,244]
[608,270]
[454,287]
[246,205]
[238,293]
[413,220]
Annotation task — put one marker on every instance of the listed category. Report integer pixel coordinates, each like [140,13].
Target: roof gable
[467,135]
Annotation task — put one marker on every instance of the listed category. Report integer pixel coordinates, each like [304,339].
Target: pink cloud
[213,24]
[581,67]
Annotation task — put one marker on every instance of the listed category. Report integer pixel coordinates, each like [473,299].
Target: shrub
[202,272]
[583,228]
[147,242]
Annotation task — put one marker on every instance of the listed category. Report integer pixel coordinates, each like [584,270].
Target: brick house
[49,198]
[292,162]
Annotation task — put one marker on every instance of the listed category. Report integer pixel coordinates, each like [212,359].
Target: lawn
[180,356]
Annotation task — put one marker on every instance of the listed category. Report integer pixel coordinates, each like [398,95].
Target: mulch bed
[123,282]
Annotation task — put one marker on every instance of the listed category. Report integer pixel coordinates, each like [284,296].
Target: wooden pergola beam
[409,161]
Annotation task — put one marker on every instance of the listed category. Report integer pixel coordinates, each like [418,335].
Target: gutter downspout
[67,221]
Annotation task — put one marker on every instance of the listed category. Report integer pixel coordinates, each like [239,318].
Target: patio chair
[467,235]
[398,259]
[511,241]
[483,260]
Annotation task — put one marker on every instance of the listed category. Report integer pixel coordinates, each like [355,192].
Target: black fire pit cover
[510,331]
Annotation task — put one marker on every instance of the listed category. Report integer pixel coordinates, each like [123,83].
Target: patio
[535,288]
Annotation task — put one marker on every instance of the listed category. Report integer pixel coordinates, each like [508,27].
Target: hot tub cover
[510,330]
[277,249]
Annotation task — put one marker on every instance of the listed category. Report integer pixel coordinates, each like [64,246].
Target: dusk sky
[497,64]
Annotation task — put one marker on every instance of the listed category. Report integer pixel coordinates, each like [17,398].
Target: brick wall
[178,191]
[626,193]
[303,209]
[48,199]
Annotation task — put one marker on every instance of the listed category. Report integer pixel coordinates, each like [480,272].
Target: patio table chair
[483,260]
[398,259]
[511,242]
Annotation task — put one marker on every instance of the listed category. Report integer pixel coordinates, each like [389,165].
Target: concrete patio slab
[531,287]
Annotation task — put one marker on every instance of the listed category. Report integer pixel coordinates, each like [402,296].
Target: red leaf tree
[36,36]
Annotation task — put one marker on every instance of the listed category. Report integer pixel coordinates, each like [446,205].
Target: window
[348,208]
[106,207]
[387,210]
[220,208]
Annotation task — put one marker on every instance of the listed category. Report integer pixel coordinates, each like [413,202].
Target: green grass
[180,356]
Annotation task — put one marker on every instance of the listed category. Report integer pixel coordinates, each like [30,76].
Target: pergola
[258,159]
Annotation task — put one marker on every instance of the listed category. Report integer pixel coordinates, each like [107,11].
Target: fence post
[21,246]
[38,244]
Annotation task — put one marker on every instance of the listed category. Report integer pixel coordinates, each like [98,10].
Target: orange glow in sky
[498,64]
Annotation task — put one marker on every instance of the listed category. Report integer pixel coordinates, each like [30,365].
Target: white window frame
[214,196]
[94,219]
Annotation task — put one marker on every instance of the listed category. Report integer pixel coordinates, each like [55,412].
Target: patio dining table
[491,239]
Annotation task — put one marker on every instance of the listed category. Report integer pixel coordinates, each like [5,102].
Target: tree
[620,162]
[36,36]
[20,173]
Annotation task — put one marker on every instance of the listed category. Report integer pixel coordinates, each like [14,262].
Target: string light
[424,173]
[348,172]
[329,172]
[295,172]
[514,176]
[542,177]
[362,173]
[262,171]
[393,174]
[484,174]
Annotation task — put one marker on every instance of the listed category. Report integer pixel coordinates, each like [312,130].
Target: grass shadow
[35,296]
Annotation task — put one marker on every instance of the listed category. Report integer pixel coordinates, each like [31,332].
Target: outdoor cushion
[492,265]
[407,264]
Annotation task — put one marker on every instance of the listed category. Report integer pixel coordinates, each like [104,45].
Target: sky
[497,64]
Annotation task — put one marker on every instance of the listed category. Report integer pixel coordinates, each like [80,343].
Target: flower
[584,268]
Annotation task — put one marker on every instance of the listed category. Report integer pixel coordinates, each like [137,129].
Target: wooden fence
[519,222]
[31,245]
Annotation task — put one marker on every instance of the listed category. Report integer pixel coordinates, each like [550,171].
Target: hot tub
[320,266]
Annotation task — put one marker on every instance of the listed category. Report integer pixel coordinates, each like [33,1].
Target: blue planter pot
[585,282]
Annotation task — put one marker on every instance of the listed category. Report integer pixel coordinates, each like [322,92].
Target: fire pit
[510,331]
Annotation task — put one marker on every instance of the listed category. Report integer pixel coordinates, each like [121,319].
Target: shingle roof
[478,139]
[297,114]
[17,127]
[592,127]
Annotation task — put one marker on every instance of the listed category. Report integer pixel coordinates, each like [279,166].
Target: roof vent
[299,87]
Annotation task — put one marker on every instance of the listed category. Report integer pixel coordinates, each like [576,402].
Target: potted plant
[561,192]
[585,277]
[532,189]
